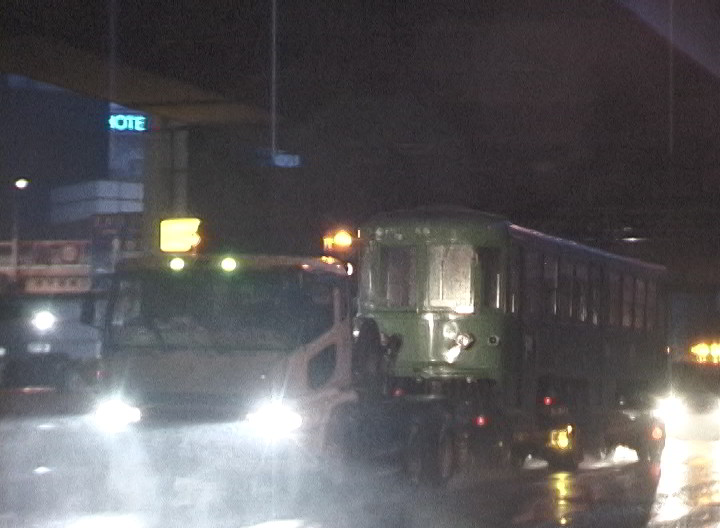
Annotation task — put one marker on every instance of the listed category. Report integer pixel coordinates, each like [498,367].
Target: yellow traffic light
[179,235]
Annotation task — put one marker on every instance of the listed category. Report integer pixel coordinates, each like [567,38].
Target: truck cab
[249,357]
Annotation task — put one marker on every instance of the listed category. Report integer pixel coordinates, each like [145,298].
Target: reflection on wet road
[689,491]
[682,491]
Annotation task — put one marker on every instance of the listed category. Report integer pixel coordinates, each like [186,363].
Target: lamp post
[20,185]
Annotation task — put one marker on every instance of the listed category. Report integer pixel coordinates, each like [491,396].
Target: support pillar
[166,178]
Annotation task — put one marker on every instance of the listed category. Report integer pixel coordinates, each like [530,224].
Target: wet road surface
[682,491]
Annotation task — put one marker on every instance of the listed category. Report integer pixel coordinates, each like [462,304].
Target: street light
[20,184]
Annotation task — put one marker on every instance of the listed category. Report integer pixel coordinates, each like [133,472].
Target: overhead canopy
[55,63]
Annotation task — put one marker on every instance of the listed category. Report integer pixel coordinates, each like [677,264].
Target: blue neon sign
[128,123]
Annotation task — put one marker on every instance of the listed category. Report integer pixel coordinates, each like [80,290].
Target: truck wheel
[517,458]
[429,460]
[335,456]
[414,458]
[442,464]
[367,354]
[73,382]
[567,462]
[648,454]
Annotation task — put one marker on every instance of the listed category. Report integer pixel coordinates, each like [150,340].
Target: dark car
[45,343]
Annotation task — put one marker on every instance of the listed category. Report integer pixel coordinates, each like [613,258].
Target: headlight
[465,341]
[43,320]
[115,415]
[274,420]
[671,410]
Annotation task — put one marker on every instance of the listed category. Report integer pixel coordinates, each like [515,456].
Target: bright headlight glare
[274,420]
[671,409]
[115,415]
[43,320]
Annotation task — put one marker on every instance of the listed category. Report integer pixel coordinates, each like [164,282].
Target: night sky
[579,116]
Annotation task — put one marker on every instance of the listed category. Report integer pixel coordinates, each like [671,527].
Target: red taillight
[101,375]
[657,433]
[547,400]
[481,421]
[398,392]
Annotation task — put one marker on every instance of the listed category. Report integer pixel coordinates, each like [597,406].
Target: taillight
[657,433]
[398,392]
[547,400]
[481,421]
[101,375]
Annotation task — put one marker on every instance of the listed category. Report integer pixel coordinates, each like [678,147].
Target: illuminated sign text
[128,123]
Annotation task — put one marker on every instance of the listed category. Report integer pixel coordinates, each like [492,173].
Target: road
[682,491]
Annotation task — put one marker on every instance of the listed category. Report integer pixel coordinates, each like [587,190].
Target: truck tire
[430,459]
[443,459]
[648,454]
[73,382]
[367,355]
[414,457]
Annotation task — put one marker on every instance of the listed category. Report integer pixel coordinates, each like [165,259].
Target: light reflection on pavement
[619,492]
[688,493]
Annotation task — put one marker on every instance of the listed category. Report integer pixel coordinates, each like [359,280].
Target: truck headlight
[114,415]
[671,410]
[43,320]
[274,420]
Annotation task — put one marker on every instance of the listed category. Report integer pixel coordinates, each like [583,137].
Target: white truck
[239,370]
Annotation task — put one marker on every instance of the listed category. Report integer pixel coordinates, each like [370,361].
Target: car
[45,343]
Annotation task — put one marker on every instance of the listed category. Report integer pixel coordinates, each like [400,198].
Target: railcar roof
[465,216]
[440,214]
[524,232]
[257,262]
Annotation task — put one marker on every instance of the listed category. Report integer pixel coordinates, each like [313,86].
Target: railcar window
[492,277]
[639,304]
[515,267]
[565,287]
[580,293]
[650,306]
[450,277]
[627,301]
[533,281]
[550,274]
[660,310]
[614,296]
[595,295]
[399,284]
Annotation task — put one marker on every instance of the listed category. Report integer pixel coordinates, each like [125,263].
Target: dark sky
[569,114]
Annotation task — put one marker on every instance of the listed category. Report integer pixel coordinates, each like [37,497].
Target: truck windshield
[250,310]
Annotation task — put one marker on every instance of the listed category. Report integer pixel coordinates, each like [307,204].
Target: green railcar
[460,296]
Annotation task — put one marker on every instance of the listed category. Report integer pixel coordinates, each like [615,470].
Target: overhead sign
[288,161]
[279,158]
[179,235]
[128,123]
